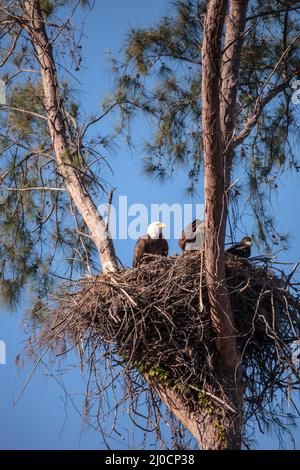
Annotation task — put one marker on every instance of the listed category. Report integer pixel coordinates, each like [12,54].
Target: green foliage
[157,372]
[27,97]
[18,260]
[40,229]
[205,402]
[161,375]
[221,432]
[159,76]
[49,7]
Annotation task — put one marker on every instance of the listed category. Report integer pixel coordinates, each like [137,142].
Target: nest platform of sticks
[156,320]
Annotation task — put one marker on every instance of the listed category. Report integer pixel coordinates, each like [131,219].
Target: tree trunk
[227,364]
[74,183]
[206,427]
[215,198]
[235,26]
[219,80]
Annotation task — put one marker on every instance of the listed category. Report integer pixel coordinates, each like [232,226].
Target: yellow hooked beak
[161,225]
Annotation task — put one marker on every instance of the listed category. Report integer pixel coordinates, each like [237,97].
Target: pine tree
[215,78]
[41,165]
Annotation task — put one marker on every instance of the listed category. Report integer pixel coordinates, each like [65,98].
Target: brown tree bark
[205,426]
[214,169]
[219,78]
[235,26]
[35,26]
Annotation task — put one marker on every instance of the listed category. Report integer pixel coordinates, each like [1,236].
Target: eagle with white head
[152,243]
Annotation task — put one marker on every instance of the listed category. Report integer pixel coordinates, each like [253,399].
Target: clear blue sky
[42,419]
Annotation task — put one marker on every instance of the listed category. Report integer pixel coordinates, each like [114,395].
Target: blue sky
[42,419]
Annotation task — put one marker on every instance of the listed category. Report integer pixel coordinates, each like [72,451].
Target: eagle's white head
[155,229]
[247,241]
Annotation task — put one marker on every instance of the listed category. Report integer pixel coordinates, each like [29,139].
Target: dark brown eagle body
[241,249]
[147,245]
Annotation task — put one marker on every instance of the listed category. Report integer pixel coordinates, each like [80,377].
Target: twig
[110,197]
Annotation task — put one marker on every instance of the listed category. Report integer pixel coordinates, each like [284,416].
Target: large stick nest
[156,320]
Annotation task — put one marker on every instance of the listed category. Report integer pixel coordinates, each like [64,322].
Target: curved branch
[11,50]
[8,108]
[251,122]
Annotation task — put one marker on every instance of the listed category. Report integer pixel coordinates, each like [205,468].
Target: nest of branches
[155,320]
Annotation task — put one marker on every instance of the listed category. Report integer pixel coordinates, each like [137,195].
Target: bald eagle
[241,249]
[151,243]
[192,237]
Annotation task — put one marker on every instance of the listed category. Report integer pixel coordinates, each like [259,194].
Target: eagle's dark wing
[139,251]
[240,249]
[148,245]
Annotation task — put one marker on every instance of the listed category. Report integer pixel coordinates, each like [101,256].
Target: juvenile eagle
[192,237]
[151,243]
[241,249]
